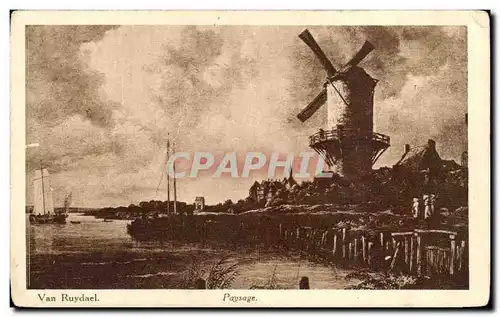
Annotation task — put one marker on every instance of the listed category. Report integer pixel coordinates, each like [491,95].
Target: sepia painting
[246,157]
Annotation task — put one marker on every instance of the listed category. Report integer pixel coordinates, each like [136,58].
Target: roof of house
[420,158]
[450,165]
[254,186]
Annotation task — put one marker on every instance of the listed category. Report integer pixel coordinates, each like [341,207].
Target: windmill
[348,144]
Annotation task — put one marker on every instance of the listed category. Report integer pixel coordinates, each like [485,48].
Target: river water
[97,254]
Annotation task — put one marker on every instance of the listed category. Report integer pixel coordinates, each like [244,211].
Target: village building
[267,189]
[420,159]
[422,168]
[424,160]
[199,203]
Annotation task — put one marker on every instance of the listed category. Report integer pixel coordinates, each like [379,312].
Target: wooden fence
[418,252]
[412,251]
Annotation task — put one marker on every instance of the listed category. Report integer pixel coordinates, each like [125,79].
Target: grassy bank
[261,226]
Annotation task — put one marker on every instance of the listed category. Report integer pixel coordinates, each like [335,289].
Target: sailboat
[43,211]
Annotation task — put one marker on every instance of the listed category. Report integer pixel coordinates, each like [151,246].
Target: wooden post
[406,250]
[443,263]
[395,256]
[334,251]
[306,239]
[201,284]
[370,248]
[412,254]
[452,254]
[350,251]
[343,243]
[304,283]
[439,260]
[312,236]
[281,231]
[419,254]
[363,245]
[355,249]
[382,241]
[462,252]
[430,266]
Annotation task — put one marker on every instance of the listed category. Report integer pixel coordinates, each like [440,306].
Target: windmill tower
[348,144]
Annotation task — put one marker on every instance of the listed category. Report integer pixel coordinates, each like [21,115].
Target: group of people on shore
[424,209]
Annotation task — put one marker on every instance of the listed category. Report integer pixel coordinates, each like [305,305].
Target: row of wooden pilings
[417,252]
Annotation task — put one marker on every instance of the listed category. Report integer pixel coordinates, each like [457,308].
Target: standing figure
[415,208]
[427,206]
[433,202]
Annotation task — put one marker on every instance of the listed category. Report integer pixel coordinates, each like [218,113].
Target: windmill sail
[313,106]
[43,200]
[311,42]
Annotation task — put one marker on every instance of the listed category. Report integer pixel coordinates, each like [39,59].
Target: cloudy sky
[101,100]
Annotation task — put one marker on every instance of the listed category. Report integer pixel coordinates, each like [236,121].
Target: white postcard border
[479,162]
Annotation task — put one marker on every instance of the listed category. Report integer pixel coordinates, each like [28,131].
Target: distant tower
[199,203]
[348,145]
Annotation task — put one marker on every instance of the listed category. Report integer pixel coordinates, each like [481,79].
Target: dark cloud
[195,76]
[59,86]
[59,82]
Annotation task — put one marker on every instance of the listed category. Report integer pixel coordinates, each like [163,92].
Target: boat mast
[175,184]
[168,176]
[67,202]
[43,189]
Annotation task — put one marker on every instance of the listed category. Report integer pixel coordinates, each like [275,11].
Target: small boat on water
[43,208]
[108,220]
[75,222]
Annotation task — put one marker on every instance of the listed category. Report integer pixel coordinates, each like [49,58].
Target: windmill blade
[313,106]
[311,42]
[362,53]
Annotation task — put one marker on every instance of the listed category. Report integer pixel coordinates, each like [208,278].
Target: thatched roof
[420,158]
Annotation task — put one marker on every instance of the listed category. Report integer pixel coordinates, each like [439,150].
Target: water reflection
[98,254]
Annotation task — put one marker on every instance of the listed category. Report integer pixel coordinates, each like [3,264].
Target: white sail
[43,198]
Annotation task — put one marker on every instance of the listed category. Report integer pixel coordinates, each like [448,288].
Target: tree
[228,202]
